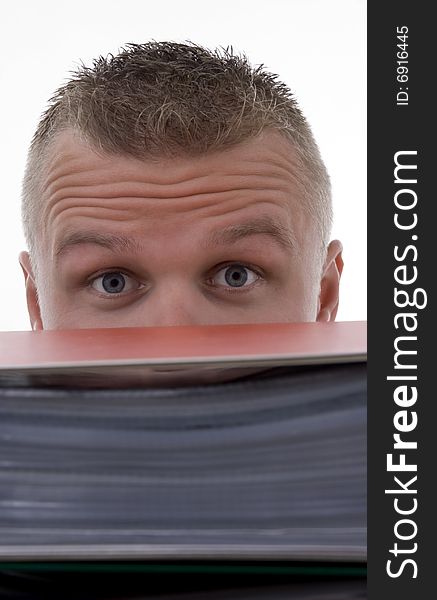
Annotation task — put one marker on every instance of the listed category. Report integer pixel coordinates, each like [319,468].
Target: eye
[114,283]
[235,276]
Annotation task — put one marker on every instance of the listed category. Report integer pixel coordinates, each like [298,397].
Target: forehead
[83,187]
[268,154]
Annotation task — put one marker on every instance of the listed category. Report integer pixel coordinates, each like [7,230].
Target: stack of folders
[189,462]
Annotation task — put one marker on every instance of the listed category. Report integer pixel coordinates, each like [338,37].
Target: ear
[31,292]
[330,282]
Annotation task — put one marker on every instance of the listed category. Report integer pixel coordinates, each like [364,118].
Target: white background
[317,47]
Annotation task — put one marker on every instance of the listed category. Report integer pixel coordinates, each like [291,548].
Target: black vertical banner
[402,500]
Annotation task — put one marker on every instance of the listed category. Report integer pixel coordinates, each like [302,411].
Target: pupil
[236,276]
[113,283]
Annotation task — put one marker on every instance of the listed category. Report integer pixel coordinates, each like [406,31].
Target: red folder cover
[146,354]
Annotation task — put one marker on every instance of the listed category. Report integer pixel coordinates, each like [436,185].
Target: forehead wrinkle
[103,176]
[264,225]
[111,192]
[90,169]
[74,185]
[73,181]
[122,208]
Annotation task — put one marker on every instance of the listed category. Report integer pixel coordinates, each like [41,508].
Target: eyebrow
[116,243]
[228,235]
[265,225]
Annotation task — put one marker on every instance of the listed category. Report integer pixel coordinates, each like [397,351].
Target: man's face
[218,239]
